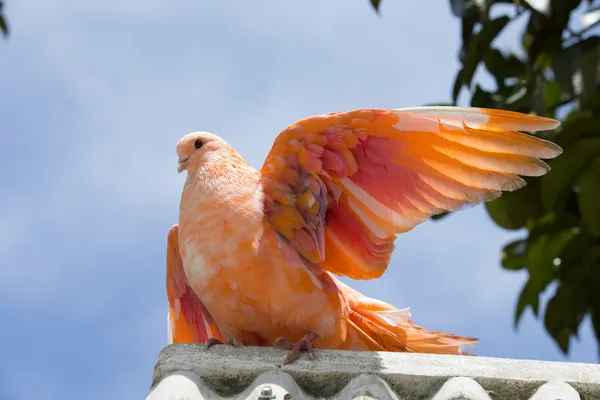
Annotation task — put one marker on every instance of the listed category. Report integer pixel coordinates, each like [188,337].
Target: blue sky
[94,97]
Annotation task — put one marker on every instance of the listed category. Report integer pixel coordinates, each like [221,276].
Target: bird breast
[221,225]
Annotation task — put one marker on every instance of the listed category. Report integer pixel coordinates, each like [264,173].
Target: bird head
[195,148]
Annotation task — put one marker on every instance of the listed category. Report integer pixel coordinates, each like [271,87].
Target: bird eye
[198,143]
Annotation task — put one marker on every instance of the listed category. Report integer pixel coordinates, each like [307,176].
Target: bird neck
[223,188]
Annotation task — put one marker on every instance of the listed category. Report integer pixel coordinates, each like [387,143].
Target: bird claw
[212,341]
[283,342]
[303,344]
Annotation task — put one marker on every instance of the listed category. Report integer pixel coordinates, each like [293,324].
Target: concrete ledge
[189,372]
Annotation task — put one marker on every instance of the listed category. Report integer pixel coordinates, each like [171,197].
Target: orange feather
[256,250]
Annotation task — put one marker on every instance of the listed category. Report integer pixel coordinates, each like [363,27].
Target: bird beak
[182,163]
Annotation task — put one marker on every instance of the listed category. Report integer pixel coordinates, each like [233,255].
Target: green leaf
[553,94]
[595,314]
[590,67]
[561,10]
[564,66]
[468,8]
[537,99]
[457,7]
[557,185]
[589,198]
[594,294]
[579,260]
[480,45]
[558,318]
[541,253]
[518,98]
[514,255]
[576,115]
[513,97]
[565,311]
[3,23]
[514,209]
[500,211]
[482,98]
[559,215]
[553,224]
[593,103]
[578,125]
[527,41]
[502,66]
[546,41]
[494,62]
[576,293]
[514,67]
[458,85]
[466,27]
[541,270]
[376,4]
[583,58]
[529,297]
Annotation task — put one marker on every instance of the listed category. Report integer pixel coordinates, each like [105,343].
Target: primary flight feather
[253,258]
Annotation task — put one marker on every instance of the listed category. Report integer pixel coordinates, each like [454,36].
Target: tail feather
[379,326]
[358,339]
[189,321]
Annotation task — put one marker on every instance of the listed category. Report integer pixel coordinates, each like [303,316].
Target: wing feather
[340,187]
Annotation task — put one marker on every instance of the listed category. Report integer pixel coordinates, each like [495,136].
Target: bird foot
[210,342]
[303,344]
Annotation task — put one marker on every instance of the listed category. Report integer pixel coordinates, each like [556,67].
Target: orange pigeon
[253,258]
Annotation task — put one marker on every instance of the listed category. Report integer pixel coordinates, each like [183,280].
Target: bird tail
[188,321]
[378,326]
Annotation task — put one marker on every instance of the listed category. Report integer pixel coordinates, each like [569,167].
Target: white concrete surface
[189,372]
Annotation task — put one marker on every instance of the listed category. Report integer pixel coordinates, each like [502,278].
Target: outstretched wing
[340,187]
[189,320]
